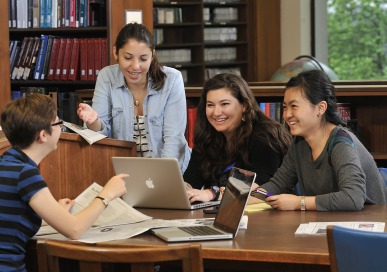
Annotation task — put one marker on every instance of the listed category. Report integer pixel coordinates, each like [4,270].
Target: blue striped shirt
[20,179]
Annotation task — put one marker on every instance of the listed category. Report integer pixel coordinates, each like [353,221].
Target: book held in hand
[89,135]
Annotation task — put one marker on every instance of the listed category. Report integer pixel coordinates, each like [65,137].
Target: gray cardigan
[345,180]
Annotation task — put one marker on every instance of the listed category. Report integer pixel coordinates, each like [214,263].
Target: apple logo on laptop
[149,183]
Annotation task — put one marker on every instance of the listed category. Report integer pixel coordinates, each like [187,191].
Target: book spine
[74,63]
[97,56]
[25,58]
[104,52]
[41,56]
[90,59]
[83,59]
[59,62]
[30,66]
[53,59]
[36,14]
[43,13]
[47,57]
[66,60]
[19,58]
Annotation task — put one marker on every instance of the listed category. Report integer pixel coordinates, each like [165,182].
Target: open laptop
[228,218]
[155,183]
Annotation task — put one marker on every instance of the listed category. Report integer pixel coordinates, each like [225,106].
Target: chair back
[93,257]
[353,250]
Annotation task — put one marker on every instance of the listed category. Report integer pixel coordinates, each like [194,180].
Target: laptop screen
[234,200]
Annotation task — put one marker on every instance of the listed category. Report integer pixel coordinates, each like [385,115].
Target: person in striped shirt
[33,128]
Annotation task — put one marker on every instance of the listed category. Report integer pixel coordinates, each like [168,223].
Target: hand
[86,113]
[115,187]
[199,195]
[284,202]
[66,203]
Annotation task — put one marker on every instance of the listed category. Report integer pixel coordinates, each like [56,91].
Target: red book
[191,121]
[267,109]
[74,62]
[59,62]
[83,59]
[53,59]
[90,59]
[104,52]
[97,56]
[73,7]
[66,60]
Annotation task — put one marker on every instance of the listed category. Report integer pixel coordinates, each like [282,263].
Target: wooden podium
[75,164]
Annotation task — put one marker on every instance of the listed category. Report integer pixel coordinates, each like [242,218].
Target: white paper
[118,212]
[319,228]
[89,135]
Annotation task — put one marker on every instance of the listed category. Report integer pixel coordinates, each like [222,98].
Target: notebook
[227,219]
[155,183]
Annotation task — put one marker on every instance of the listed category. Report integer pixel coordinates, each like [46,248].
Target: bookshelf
[114,22]
[211,35]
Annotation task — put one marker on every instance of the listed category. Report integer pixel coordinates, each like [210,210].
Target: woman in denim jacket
[140,100]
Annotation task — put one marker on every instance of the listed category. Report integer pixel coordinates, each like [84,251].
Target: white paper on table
[319,228]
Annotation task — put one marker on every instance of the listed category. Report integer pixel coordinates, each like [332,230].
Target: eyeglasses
[59,123]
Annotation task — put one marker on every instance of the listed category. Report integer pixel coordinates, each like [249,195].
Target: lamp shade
[300,64]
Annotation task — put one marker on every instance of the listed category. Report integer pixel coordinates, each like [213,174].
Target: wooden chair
[353,250]
[92,257]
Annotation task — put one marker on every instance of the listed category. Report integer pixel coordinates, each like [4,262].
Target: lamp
[300,64]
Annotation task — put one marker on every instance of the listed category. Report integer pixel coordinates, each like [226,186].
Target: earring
[243,118]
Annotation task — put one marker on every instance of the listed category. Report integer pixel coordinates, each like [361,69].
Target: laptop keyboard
[200,230]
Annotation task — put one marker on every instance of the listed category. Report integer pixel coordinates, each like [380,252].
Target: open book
[89,135]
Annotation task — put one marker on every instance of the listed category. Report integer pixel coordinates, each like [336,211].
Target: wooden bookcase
[181,25]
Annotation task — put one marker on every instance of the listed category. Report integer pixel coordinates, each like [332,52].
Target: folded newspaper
[89,135]
[318,228]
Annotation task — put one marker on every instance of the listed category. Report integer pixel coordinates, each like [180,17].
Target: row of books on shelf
[216,14]
[220,34]
[57,58]
[174,55]
[56,13]
[220,54]
[167,15]
[66,101]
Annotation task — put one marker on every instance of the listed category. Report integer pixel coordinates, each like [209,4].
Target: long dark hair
[141,34]
[316,87]
[216,151]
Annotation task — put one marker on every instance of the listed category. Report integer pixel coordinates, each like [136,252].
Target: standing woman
[231,130]
[140,100]
[333,168]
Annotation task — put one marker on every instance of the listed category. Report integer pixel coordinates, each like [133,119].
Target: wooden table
[269,243]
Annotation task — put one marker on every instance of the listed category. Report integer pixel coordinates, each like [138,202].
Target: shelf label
[178,66]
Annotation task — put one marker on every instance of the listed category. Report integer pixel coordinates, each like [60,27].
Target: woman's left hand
[199,195]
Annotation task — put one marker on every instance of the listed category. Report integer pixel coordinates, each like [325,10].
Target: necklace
[136,102]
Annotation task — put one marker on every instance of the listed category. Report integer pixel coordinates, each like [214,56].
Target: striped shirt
[140,136]
[20,179]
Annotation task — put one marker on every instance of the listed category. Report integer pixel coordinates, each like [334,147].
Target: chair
[356,250]
[383,172]
[93,257]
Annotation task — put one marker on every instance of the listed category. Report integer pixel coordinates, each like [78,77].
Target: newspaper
[319,228]
[89,135]
[117,213]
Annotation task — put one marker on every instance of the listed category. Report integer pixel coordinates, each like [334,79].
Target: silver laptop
[155,183]
[228,218]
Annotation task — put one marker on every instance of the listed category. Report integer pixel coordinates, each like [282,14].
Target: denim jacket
[164,112]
